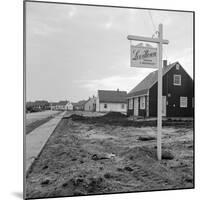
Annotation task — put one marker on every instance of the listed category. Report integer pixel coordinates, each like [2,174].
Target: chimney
[164,63]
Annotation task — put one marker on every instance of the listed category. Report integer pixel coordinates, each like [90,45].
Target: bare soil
[84,157]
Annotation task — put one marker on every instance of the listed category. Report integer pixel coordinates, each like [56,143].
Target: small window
[122,106]
[183,102]
[177,66]
[142,102]
[105,105]
[177,79]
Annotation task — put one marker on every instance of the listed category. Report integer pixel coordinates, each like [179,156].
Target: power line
[156,32]
[152,20]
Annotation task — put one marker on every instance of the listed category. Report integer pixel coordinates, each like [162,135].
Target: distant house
[53,105]
[111,100]
[69,106]
[90,104]
[79,105]
[61,105]
[177,98]
[36,106]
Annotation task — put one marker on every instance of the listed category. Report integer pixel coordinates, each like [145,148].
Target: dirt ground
[83,158]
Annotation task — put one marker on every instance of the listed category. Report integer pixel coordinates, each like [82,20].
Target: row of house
[36,106]
[105,101]
[61,105]
[177,101]
[178,95]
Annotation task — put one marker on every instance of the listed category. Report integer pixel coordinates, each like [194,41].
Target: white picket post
[159,103]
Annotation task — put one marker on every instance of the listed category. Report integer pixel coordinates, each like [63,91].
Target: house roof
[53,103]
[62,103]
[112,96]
[38,103]
[80,103]
[143,87]
[90,99]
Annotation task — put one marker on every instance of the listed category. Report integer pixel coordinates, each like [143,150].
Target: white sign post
[160,41]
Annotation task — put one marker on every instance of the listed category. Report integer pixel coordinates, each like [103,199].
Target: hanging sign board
[143,57]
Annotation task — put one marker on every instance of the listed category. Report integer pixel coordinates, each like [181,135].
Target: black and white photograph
[108,99]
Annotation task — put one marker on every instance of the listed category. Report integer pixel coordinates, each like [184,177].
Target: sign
[143,57]
[151,58]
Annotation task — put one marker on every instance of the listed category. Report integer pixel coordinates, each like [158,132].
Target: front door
[164,106]
[136,104]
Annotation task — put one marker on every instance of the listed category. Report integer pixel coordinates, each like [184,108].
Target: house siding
[130,109]
[116,107]
[68,106]
[97,104]
[173,94]
[90,105]
[141,112]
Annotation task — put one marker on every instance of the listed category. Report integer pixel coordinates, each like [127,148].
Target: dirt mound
[114,115]
[119,119]
[77,117]
[147,153]
[142,153]
[167,155]
[112,118]
[146,138]
[86,185]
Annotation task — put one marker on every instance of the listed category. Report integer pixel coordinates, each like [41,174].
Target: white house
[69,106]
[53,106]
[61,105]
[90,105]
[111,100]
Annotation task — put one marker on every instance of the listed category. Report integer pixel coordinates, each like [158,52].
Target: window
[183,102]
[105,105]
[142,102]
[122,106]
[130,104]
[177,79]
[177,66]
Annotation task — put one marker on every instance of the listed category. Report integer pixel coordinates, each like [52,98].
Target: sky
[72,51]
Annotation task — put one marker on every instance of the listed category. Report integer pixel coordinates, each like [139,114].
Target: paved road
[36,139]
[32,117]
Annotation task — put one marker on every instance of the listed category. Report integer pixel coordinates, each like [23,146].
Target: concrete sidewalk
[36,139]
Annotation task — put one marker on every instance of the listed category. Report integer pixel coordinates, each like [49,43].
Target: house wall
[130,107]
[141,111]
[69,106]
[97,104]
[116,107]
[173,94]
[60,107]
[90,105]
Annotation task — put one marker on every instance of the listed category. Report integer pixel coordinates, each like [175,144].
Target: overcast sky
[72,51]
